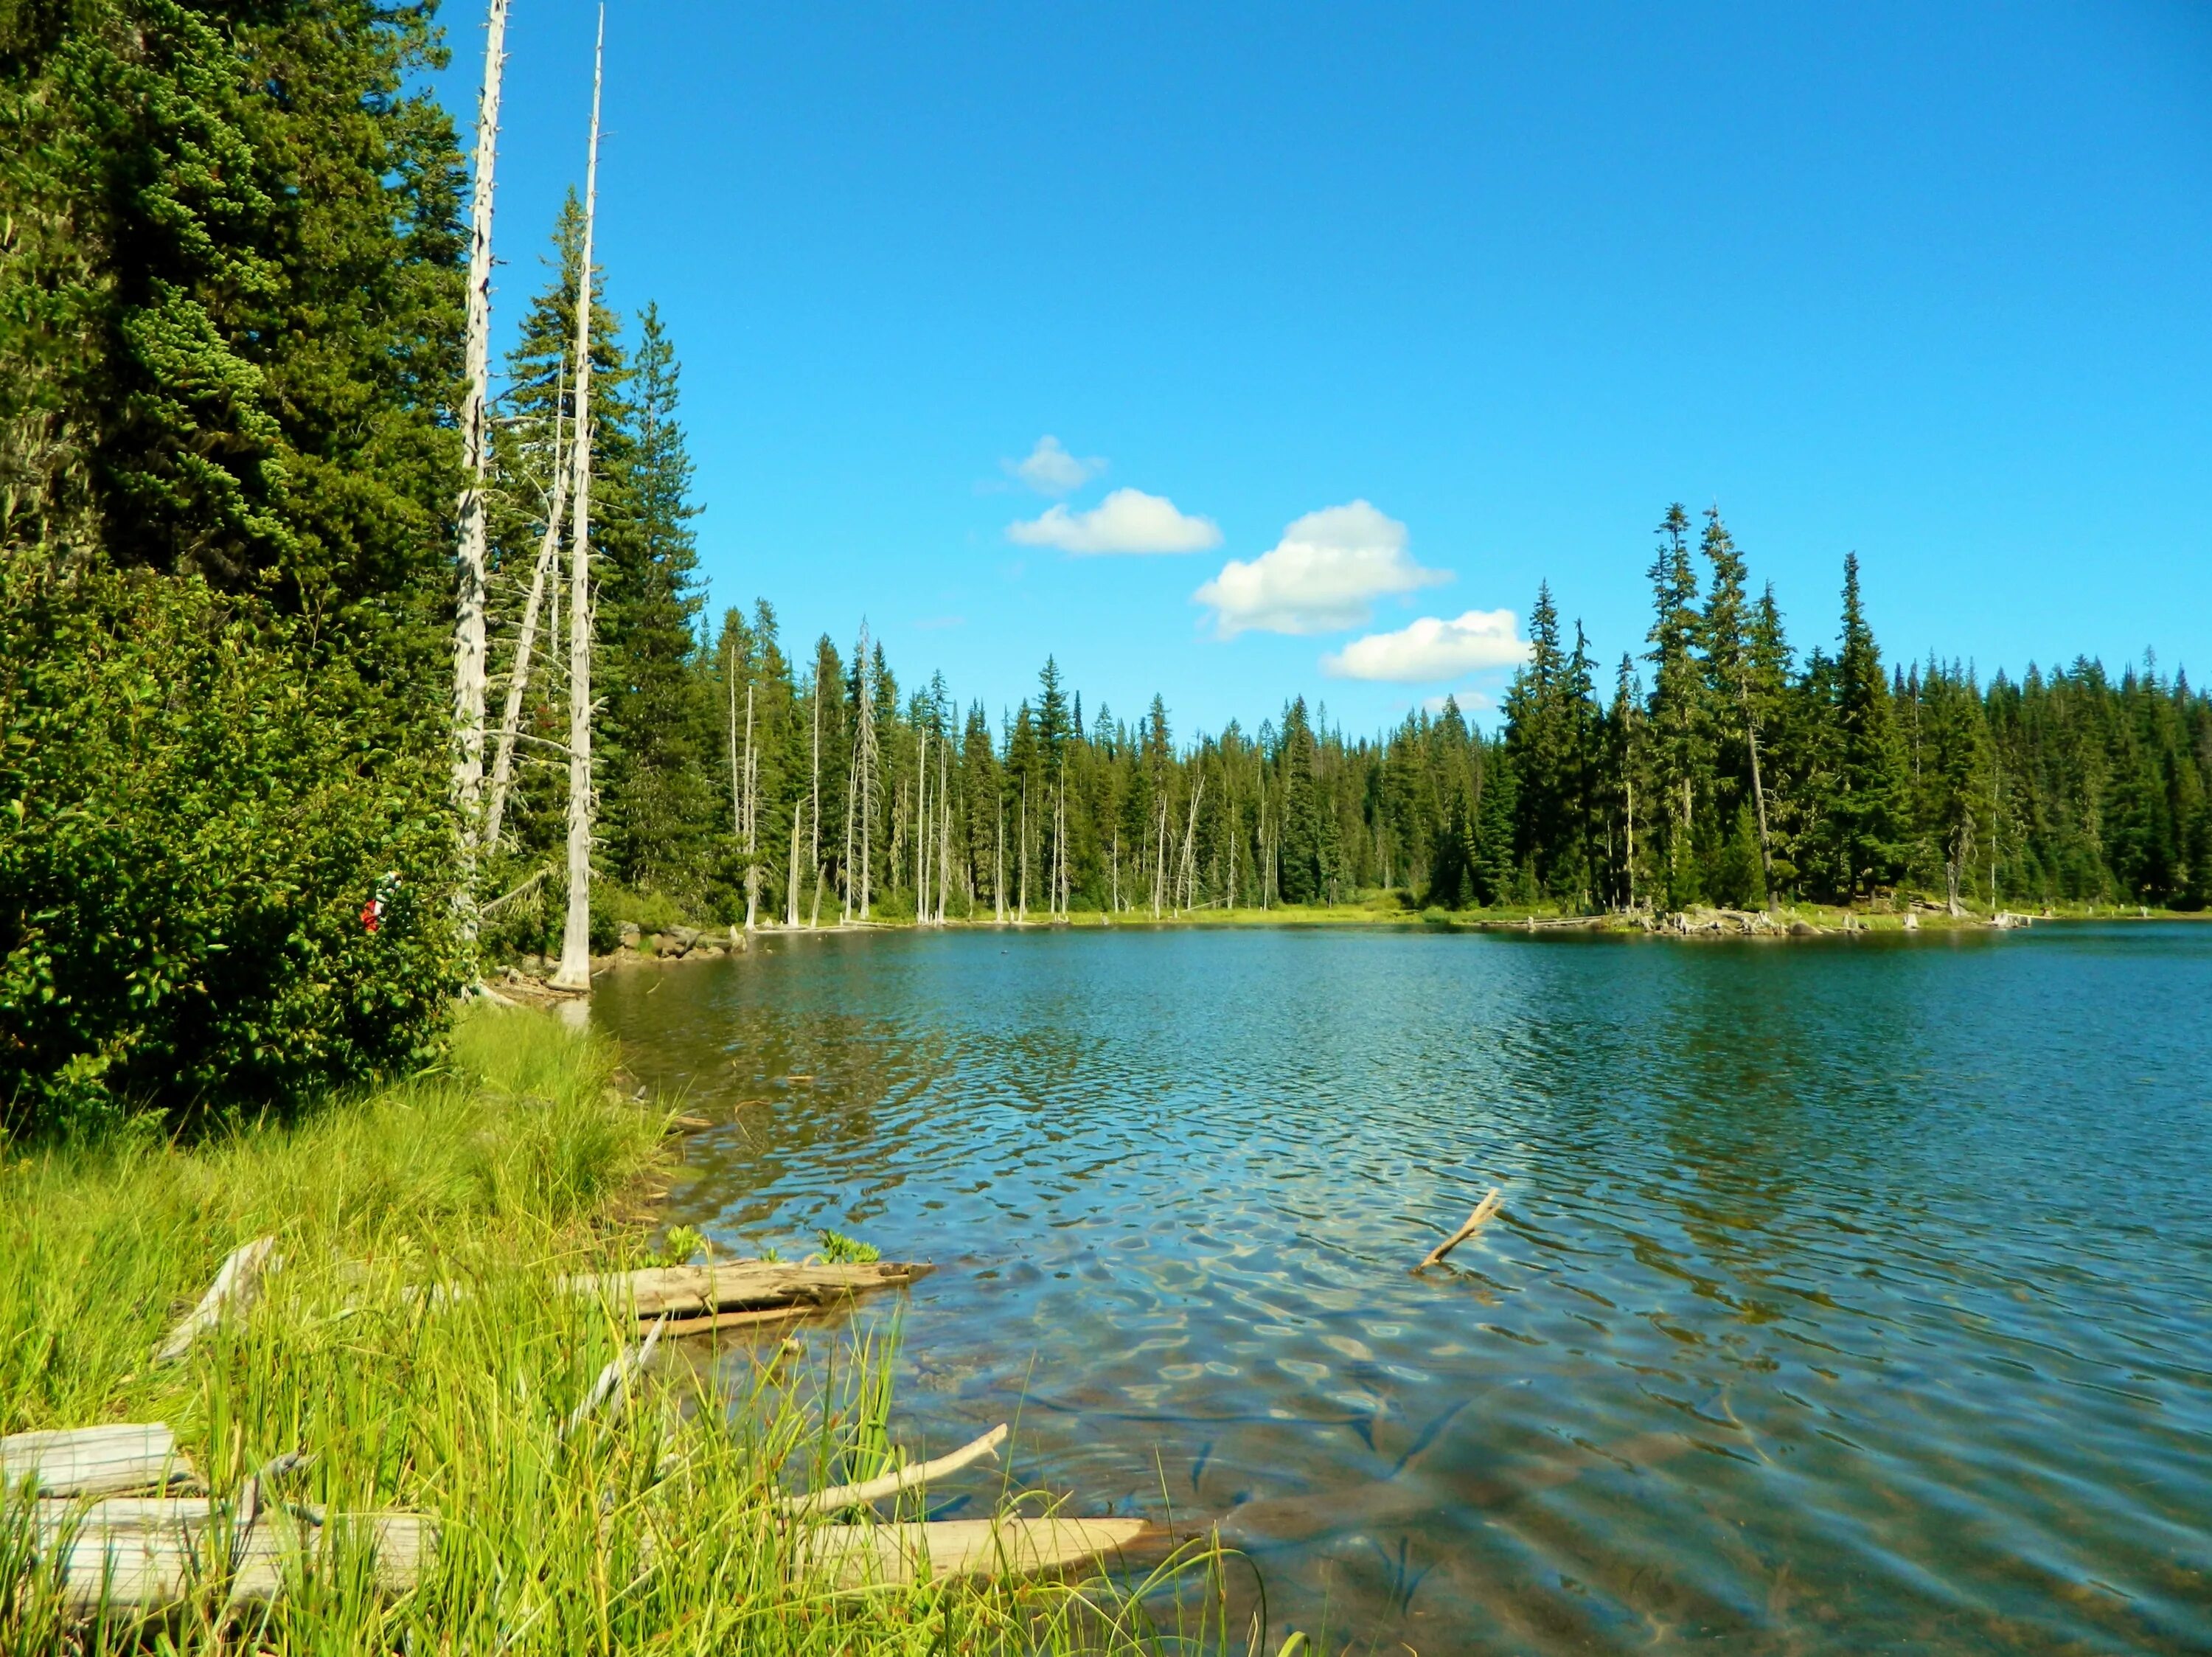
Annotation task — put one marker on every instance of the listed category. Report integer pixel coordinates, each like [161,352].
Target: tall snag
[517,678]
[469,645]
[575,970]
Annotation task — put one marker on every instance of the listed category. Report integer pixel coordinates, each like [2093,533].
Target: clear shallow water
[1846,1294]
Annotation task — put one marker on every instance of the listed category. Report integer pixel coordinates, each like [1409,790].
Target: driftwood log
[685,1292]
[236,1287]
[143,1553]
[1475,1221]
[94,1461]
[897,1556]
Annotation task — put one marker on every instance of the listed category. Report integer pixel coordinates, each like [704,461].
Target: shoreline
[1798,922]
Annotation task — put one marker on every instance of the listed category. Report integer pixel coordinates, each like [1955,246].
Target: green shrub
[191,820]
[839,1249]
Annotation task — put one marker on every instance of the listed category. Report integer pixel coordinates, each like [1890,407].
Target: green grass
[517,1160]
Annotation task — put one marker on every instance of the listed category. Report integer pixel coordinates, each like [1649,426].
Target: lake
[1845,1292]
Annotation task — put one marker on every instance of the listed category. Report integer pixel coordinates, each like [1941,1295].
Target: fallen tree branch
[235,1288]
[615,1378]
[1483,1210]
[853,1495]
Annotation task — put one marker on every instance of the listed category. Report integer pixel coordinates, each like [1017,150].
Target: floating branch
[1483,1210]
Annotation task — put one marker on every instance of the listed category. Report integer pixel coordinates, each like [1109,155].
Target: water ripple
[1843,1294]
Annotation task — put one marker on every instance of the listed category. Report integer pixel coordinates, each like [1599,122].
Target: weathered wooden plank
[236,1287]
[94,1461]
[138,1555]
[743,1284]
[895,1556]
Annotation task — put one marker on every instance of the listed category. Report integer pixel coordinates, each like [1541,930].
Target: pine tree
[1867,807]
[656,803]
[1677,711]
[1298,869]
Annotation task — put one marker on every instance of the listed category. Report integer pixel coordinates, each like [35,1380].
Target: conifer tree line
[1717,764]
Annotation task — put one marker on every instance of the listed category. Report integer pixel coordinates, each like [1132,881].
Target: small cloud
[1128,521]
[1051,470]
[1431,650]
[939,624]
[1324,575]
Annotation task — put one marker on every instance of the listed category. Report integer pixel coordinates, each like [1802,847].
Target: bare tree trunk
[1160,858]
[517,678]
[749,819]
[575,970]
[999,869]
[1022,913]
[737,765]
[865,767]
[469,648]
[922,828]
[943,832]
[1629,780]
[1188,873]
[1265,869]
[1758,792]
[814,806]
[791,874]
[852,790]
[1228,897]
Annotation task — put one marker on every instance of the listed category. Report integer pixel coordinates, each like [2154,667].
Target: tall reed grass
[648,1529]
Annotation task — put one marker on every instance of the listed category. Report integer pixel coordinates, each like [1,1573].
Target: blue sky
[1403,308]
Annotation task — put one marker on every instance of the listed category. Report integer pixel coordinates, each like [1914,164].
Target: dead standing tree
[864,768]
[517,678]
[575,969]
[469,649]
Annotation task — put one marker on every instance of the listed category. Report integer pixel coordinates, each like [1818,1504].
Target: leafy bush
[192,817]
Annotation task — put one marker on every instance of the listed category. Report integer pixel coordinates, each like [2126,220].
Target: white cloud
[1325,574]
[1051,470]
[1128,521]
[1432,651]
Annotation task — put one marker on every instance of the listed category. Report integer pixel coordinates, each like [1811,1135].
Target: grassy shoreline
[516,1159]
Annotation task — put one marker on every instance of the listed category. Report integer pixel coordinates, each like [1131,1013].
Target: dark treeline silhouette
[1717,765]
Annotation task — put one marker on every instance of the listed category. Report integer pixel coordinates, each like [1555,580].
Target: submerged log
[94,1461]
[898,1556]
[690,1291]
[708,1323]
[142,1554]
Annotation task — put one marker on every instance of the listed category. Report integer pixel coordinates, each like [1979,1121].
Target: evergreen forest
[234,281]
